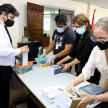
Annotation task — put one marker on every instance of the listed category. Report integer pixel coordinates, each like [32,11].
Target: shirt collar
[2,22]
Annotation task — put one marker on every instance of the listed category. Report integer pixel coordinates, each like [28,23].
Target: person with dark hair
[62,40]
[82,47]
[7,52]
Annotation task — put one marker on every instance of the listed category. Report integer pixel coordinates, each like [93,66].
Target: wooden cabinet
[46,41]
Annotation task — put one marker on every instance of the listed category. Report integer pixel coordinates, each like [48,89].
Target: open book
[24,59]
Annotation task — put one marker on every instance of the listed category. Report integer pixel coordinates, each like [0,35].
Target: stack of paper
[66,98]
[24,59]
[41,62]
[55,69]
[50,93]
[23,69]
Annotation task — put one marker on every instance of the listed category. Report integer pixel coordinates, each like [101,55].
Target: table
[40,78]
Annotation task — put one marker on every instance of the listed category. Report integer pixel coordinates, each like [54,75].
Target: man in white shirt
[7,52]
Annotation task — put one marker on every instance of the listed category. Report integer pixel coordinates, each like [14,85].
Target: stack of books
[56,69]
[65,98]
[50,93]
[23,69]
[41,62]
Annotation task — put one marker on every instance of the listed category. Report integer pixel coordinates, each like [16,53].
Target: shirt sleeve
[88,47]
[89,68]
[70,38]
[5,49]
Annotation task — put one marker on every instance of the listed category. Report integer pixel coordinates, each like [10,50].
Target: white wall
[100,12]
[17,31]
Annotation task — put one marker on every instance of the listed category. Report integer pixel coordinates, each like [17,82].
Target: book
[23,69]
[50,93]
[92,89]
[56,69]
[24,59]
[41,62]
[65,98]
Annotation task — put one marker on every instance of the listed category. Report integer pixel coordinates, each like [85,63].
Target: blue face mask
[80,30]
[60,30]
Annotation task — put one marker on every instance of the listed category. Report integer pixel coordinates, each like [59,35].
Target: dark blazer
[82,50]
[85,47]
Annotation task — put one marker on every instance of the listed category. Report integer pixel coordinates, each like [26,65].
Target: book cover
[67,97]
[38,59]
[50,93]
[92,89]
[23,69]
[56,69]
[41,62]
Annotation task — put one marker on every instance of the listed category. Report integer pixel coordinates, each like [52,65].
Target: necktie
[8,34]
[9,38]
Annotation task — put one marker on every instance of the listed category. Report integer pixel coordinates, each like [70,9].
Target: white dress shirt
[7,52]
[97,60]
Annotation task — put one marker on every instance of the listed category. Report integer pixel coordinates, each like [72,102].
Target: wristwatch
[95,99]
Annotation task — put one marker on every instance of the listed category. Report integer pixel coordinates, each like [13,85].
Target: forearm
[66,58]
[102,97]
[62,54]
[78,79]
[74,62]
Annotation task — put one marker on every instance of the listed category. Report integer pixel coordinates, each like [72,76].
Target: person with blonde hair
[98,59]
[82,47]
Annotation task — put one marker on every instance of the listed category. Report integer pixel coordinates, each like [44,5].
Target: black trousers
[93,79]
[5,76]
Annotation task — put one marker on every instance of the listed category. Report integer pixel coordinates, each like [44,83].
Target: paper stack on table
[23,69]
[50,93]
[56,69]
[41,62]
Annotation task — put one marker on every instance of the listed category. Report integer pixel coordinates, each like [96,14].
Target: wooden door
[69,15]
[35,15]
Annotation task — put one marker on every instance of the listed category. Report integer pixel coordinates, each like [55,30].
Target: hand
[43,55]
[66,66]
[50,59]
[24,49]
[85,101]
[71,86]
[18,57]
[60,62]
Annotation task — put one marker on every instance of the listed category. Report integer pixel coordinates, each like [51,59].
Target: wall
[100,12]
[17,31]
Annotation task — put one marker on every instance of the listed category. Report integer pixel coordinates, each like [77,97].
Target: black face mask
[102,46]
[9,23]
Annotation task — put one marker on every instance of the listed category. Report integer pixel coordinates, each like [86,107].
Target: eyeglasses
[76,27]
[102,41]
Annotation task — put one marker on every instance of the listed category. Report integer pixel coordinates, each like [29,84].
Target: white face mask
[80,30]
[60,30]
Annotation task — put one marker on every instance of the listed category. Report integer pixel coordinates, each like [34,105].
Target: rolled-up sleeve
[89,68]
